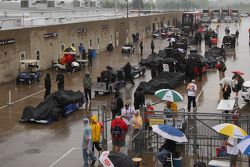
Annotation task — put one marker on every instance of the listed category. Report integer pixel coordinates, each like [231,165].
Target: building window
[62,47]
[90,42]
[38,54]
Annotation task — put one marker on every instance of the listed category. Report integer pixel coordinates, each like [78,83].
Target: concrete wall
[29,40]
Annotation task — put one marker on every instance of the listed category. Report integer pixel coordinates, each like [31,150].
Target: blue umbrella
[169,132]
[244,145]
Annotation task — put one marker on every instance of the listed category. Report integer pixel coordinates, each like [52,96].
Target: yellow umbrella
[230,130]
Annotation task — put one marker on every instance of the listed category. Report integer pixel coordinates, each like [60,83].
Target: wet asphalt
[57,144]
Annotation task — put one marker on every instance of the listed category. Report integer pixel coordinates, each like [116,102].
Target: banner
[104,159]
[155,122]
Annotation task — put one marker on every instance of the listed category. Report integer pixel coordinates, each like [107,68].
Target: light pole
[127,7]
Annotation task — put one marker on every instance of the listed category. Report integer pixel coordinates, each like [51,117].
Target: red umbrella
[238,72]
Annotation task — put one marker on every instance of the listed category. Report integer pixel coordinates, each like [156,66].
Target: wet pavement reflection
[37,145]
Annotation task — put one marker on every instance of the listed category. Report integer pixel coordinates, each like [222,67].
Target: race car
[54,107]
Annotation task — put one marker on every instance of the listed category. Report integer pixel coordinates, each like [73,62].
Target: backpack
[113,104]
[117,131]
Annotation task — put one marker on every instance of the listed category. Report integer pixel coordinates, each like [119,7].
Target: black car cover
[56,100]
[165,80]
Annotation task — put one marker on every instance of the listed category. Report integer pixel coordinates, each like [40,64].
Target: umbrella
[244,145]
[238,72]
[169,132]
[169,95]
[227,80]
[114,159]
[230,130]
[73,48]
[69,49]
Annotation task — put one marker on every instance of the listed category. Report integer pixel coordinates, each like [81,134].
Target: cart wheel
[28,81]
[110,89]
[17,81]
[38,79]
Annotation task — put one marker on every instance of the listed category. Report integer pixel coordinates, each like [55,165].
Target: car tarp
[165,80]
[56,100]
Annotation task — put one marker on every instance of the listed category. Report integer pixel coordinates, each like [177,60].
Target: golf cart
[245,94]
[128,48]
[67,62]
[28,71]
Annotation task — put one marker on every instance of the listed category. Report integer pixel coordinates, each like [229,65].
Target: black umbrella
[195,56]
[69,49]
[117,159]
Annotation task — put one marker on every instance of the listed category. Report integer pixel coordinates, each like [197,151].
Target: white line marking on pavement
[199,94]
[3,107]
[29,96]
[59,159]
[23,98]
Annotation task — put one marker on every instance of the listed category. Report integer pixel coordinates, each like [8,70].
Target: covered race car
[212,56]
[165,80]
[54,107]
[229,41]
[152,59]
[198,61]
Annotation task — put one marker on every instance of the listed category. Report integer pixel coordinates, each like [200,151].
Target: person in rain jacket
[96,133]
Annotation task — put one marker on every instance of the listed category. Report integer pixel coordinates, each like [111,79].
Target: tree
[149,6]
[137,4]
[108,4]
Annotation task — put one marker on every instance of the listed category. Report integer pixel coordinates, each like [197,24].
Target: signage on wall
[7,41]
[81,30]
[105,27]
[50,35]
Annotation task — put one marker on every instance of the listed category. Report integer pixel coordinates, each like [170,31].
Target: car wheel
[110,89]
[246,100]
[17,81]
[56,114]
[57,68]
[29,81]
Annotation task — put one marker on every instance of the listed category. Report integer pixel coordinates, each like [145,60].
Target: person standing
[141,47]
[87,144]
[128,75]
[127,114]
[152,46]
[47,84]
[139,98]
[226,91]
[191,88]
[237,34]
[223,52]
[87,83]
[96,133]
[147,113]
[136,122]
[238,80]
[232,150]
[118,132]
[60,81]
[116,105]
[82,51]
[90,56]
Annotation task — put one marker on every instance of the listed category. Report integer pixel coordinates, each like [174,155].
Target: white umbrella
[227,80]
